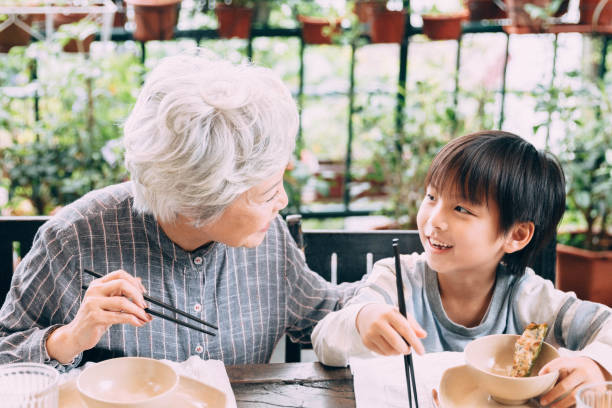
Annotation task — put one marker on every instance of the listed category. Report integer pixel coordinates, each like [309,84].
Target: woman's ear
[519,236]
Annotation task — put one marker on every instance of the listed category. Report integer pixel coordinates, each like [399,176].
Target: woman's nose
[282,200]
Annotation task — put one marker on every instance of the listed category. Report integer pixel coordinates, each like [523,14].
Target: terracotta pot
[120,17]
[364,10]
[332,172]
[587,8]
[314,29]
[13,35]
[520,18]
[387,26]
[61,19]
[443,26]
[75,45]
[155,19]
[587,273]
[484,10]
[261,13]
[233,21]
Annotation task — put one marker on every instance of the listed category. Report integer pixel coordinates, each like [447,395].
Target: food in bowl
[128,382]
[490,359]
[527,349]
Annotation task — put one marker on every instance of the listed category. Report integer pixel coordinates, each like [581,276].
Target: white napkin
[381,382]
[211,372]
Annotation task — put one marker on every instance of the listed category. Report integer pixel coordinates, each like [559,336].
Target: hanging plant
[234,18]
[155,19]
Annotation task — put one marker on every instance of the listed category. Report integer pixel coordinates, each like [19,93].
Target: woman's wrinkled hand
[116,298]
[573,372]
[384,330]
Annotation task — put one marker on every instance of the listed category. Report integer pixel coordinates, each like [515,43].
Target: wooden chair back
[20,231]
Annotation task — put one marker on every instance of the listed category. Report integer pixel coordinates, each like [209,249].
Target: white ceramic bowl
[490,359]
[128,382]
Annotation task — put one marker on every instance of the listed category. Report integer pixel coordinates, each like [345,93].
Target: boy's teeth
[439,244]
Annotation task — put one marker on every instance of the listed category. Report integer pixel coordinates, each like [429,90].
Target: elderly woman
[197,227]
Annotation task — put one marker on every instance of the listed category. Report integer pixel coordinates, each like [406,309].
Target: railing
[102,12]
[497,26]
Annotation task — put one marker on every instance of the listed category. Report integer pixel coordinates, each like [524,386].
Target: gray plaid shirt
[255,295]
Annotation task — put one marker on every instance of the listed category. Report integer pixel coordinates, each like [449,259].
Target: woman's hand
[573,372]
[115,298]
[384,330]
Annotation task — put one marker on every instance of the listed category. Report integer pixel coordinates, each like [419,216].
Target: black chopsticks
[408,366]
[168,307]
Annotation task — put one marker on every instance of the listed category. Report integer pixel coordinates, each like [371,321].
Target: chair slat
[15,229]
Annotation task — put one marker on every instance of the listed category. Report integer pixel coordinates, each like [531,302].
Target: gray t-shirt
[517,300]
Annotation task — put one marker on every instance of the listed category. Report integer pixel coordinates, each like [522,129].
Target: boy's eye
[429,197]
[462,210]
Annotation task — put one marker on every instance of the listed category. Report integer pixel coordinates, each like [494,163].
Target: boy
[492,202]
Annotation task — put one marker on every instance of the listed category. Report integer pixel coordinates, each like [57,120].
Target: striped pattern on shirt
[255,295]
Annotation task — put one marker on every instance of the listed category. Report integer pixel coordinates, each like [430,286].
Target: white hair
[202,132]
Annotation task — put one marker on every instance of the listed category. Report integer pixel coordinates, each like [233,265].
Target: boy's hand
[384,330]
[573,372]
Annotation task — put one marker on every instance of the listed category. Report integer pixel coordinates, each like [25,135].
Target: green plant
[586,154]
[239,3]
[402,159]
[78,31]
[544,12]
[315,8]
[73,147]
[299,176]
[484,114]
[442,7]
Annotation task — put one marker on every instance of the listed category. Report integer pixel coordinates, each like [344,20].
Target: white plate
[189,394]
[458,389]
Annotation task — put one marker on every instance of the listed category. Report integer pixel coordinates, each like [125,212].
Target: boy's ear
[519,236]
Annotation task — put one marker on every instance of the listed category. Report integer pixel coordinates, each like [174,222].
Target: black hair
[526,184]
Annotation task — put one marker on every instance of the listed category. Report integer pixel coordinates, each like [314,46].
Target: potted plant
[383,25]
[120,17]
[535,15]
[595,12]
[77,37]
[444,23]
[320,23]
[155,19]
[584,252]
[14,33]
[300,181]
[386,26]
[486,9]
[234,18]
[363,9]
[262,11]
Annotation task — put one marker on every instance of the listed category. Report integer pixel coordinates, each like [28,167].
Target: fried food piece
[527,348]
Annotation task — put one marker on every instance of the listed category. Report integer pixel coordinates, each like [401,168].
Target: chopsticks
[408,366]
[168,307]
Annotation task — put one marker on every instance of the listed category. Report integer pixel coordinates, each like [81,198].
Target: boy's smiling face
[460,236]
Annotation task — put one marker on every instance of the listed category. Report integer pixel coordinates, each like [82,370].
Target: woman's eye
[273,197]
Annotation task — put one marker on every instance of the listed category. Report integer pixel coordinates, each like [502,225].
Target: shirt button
[197,260]
[197,307]
[199,349]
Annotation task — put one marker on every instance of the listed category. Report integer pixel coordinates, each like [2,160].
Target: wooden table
[291,385]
